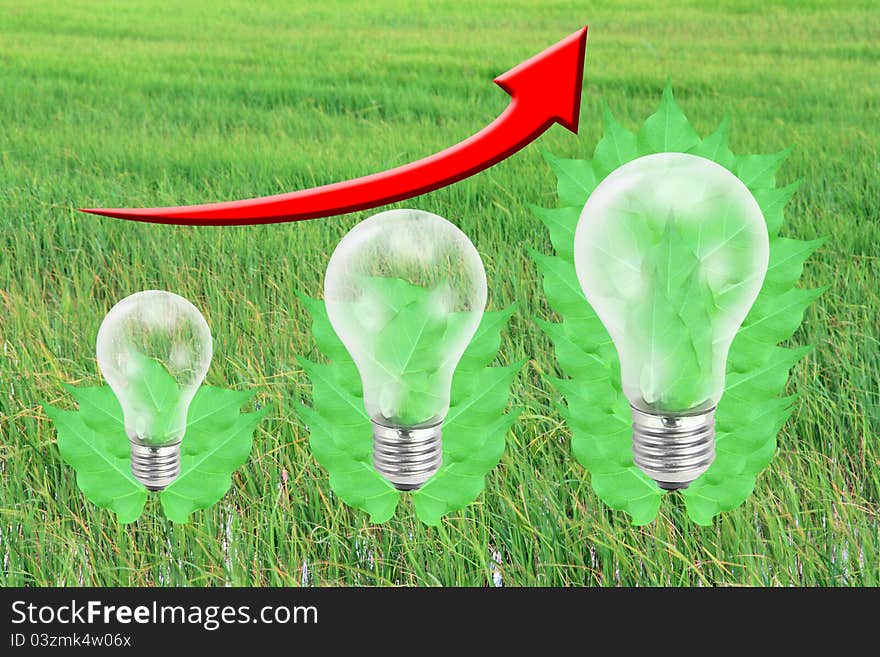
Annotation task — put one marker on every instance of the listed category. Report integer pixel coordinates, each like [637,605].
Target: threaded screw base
[407,457]
[155,466]
[673,449]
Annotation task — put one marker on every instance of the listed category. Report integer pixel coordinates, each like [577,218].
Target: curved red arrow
[544,90]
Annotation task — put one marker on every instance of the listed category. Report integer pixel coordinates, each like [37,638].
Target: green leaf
[217,441]
[322,331]
[787,259]
[747,354]
[485,344]
[154,384]
[459,482]
[667,130]
[474,429]
[476,452]
[766,381]
[740,448]
[492,391]
[676,335]
[775,318]
[759,171]
[99,408]
[704,501]
[599,404]
[772,202]
[334,399]
[631,491]
[352,478]
[102,460]
[413,340]
[591,335]
[213,409]
[159,396]
[732,413]
[344,370]
[752,410]
[561,222]
[561,286]
[575,179]
[411,348]
[603,447]
[714,147]
[578,360]
[617,147]
[383,298]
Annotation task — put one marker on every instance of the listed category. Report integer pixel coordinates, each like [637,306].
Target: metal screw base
[673,450]
[407,457]
[155,466]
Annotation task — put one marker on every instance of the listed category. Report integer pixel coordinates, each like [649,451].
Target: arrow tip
[107,212]
[157,215]
[552,80]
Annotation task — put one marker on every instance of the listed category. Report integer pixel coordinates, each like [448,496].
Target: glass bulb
[671,251]
[405,291]
[154,349]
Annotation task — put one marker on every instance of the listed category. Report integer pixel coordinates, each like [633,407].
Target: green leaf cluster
[474,430]
[677,339]
[409,338]
[217,442]
[753,408]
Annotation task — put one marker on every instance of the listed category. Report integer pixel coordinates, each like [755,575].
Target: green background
[132,104]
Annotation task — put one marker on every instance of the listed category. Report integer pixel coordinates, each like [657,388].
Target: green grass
[124,103]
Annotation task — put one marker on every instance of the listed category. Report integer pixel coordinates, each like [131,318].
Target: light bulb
[405,291]
[154,349]
[671,251]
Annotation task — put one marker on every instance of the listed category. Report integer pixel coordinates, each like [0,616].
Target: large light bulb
[154,350]
[671,251]
[405,291]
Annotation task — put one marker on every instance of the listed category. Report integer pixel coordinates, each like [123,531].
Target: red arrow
[544,90]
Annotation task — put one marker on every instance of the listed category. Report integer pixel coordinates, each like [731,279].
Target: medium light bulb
[671,251]
[405,291]
[154,349]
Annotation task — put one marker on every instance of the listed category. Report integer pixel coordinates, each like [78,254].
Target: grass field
[125,103]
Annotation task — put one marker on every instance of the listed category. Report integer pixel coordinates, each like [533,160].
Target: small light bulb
[671,251]
[405,291]
[142,333]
